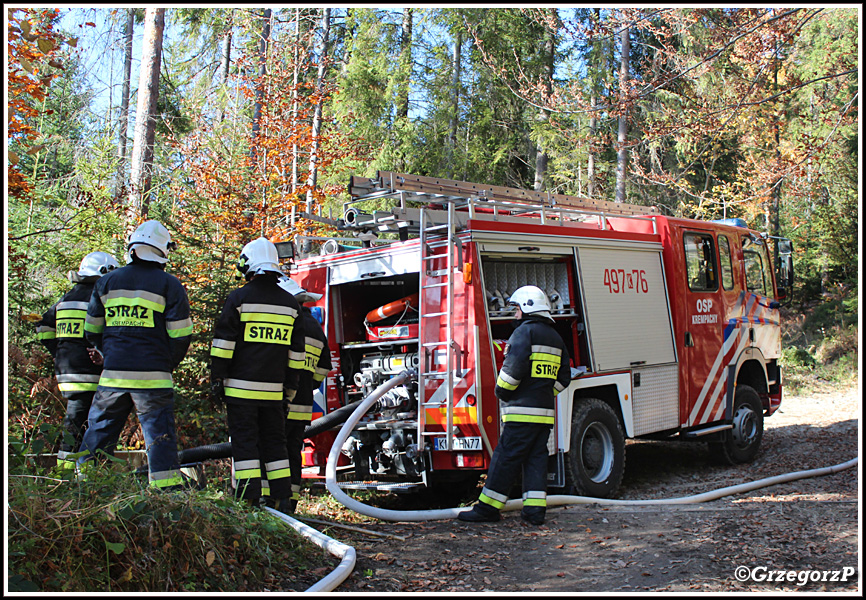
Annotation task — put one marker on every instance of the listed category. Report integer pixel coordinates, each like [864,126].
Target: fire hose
[553,500]
[347,553]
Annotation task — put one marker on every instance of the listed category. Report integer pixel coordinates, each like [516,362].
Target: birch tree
[145,118]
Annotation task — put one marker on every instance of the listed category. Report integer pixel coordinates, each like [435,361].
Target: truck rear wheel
[742,442]
[596,456]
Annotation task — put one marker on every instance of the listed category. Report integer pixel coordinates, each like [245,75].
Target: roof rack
[387,183]
[470,200]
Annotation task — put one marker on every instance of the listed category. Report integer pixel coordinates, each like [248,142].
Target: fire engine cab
[672,326]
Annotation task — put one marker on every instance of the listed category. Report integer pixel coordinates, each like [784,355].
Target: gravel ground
[796,536]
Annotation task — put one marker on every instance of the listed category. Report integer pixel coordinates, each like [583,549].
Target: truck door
[710,289]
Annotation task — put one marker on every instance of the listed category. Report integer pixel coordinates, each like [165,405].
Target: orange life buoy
[392,308]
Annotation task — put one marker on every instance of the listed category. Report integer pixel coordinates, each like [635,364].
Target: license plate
[458,443]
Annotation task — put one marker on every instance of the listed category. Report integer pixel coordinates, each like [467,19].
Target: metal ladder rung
[434,375]
[430,344]
[439,314]
[434,285]
[436,227]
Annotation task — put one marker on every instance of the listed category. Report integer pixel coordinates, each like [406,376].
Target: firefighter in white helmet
[535,370]
[77,363]
[299,411]
[139,318]
[257,354]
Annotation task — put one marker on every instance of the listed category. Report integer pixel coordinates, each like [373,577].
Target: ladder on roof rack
[474,201]
[431,344]
[437,189]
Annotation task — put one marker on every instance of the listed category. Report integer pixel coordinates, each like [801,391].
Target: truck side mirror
[785,270]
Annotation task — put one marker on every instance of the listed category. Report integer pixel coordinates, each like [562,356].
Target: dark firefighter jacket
[258,343]
[139,318]
[316,367]
[536,368]
[61,330]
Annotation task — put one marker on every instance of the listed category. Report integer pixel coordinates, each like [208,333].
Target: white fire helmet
[97,264]
[151,241]
[531,300]
[257,257]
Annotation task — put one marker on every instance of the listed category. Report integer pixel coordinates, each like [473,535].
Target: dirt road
[805,533]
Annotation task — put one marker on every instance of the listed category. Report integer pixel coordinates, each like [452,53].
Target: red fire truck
[672,326]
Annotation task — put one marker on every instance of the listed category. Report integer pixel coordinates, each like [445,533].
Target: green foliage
[112,533]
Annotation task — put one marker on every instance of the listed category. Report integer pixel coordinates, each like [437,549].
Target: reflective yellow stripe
[77,386]
[515,418]
[506,384]
[221,353]
[134,298]
[253,394]
[297,415]
[488,500]
[94,324]
[46,334]
[163,479]
[279,474]
[71,314]
[249,474]
[180,328]
[136,380]
[533,502]
[253,317]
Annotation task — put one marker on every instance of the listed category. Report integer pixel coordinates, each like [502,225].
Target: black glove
[217,393]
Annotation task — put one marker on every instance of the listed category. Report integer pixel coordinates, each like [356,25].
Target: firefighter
[536,368]
[77,363]
[138,317]
[256,356]
[299,411]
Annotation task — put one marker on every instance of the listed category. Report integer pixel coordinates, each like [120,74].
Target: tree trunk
[622,151]
[455,104]
[145,118]
[541,156]
[260,84]
[317,113]
[123,124]
[226,56]
[296,68]
[593,121]
[404,76]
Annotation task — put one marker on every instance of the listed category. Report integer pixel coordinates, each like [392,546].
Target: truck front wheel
[596,456]
[741,443]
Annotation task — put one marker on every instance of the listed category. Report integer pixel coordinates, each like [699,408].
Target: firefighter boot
[286,506]
[533,518]
[480,513]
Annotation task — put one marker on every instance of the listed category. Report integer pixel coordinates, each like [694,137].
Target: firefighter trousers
[74,422]
[155,411]
[522,448]
[295,446]
[260,463]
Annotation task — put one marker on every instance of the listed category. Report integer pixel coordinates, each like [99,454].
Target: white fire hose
[450,513]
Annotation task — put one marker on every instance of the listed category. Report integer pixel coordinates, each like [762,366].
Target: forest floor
[806,531]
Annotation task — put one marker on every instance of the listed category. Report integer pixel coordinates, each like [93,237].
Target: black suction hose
[330,420]
[224,450]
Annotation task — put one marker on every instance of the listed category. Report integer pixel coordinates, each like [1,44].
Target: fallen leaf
[210,557]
